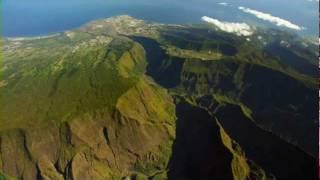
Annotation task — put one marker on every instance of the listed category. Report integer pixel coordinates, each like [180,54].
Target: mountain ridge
[109,101]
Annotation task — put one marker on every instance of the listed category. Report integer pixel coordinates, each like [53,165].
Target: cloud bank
[240,29]
[268,17]
[223,4]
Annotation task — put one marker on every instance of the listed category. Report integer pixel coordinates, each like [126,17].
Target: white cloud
[268,17]
[223,4]
[240,29]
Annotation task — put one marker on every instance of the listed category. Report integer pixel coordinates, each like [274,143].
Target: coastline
[33,38]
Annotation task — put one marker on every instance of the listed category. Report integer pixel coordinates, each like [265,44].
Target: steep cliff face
[274,101]
[204,150]
[123,99]
[270,92]
[264,104]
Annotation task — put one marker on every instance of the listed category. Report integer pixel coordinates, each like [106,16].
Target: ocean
[38,17]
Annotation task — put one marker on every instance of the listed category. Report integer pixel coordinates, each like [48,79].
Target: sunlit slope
[121,98]
[79,106]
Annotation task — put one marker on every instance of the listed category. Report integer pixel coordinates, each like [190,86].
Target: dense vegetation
[123,99]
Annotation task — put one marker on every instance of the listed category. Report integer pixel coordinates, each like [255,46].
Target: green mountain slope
[68,110]
[124,99]
[279,100]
